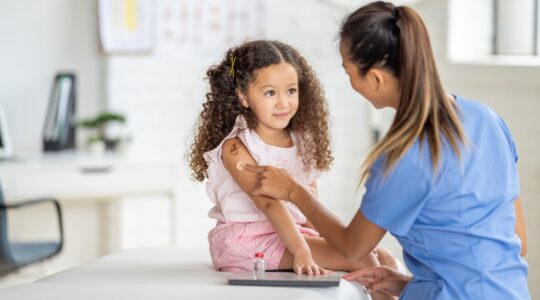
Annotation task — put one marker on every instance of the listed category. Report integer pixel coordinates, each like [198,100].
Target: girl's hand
[380,279]
[304,263]
[273,182]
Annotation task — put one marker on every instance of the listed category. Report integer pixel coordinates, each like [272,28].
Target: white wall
[39,38]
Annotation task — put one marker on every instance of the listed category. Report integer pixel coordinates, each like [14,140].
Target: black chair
[15,255]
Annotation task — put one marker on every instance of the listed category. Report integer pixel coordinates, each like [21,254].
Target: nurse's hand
[273,182]
[380,279]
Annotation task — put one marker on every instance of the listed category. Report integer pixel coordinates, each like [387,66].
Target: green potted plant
[99,125]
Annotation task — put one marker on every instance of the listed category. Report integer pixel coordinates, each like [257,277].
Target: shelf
[498,60]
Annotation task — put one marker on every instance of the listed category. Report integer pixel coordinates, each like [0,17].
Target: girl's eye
[270,93]
[293,91]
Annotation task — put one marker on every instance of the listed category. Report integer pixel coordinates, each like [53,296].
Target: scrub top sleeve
[508,137]
[395,201]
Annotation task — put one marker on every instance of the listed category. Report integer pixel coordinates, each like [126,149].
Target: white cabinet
[73,177]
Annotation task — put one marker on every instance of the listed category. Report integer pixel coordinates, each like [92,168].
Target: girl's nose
[282,101]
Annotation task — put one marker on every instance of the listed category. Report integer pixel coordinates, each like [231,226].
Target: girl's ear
[243,99]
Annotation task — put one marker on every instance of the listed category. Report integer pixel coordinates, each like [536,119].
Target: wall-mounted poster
[126,26]
[209,27]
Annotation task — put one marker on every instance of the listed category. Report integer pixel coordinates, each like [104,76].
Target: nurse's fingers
[258,191]
[254,168]
[385,287]
[364,273]
[386,258]
[364,280]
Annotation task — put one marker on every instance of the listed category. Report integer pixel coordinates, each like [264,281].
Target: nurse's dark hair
[394,38]
[237,71]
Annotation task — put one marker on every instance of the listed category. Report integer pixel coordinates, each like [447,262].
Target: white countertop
[162,273]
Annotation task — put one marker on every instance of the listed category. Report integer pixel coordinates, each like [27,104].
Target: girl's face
[273,96]
[378,86]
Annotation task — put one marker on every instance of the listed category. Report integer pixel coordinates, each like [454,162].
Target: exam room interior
[161,94]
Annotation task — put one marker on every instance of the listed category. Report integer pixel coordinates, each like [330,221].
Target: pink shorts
[233,245]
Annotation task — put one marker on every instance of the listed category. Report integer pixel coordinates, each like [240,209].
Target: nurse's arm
[308,223]
[520,226]
[354,241]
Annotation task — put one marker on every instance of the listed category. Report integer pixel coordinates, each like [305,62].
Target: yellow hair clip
[233,60]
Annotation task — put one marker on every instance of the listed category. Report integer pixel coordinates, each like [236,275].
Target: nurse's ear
[242,98]
[376,78]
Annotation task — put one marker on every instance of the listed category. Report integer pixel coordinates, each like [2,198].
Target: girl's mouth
[281,115]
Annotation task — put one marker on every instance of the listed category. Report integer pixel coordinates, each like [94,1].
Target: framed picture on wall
[126,26]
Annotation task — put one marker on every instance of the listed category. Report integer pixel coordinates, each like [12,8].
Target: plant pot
[111,144]
[96,148]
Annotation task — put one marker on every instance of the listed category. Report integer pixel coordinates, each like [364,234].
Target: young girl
[265,106]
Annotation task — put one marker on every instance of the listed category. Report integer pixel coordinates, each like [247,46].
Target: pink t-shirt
[231,204]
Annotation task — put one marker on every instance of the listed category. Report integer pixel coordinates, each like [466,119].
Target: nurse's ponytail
[395,39]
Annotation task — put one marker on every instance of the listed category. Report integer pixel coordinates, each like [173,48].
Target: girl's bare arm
[233,152]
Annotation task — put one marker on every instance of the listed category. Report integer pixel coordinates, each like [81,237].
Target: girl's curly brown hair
[222,105]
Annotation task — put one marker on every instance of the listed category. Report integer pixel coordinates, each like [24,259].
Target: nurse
[443,180]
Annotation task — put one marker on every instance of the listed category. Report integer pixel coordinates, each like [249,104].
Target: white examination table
[162,273]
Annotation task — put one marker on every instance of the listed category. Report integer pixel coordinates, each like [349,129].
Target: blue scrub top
[456,225]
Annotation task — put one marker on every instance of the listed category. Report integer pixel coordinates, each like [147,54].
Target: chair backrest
[6,258]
